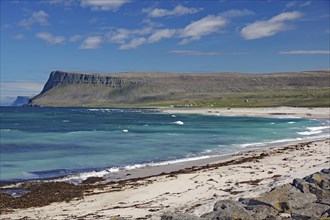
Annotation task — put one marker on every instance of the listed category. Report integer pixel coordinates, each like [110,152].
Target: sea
[42,143]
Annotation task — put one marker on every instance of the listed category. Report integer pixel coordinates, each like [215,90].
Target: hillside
[20,101]
[163,89]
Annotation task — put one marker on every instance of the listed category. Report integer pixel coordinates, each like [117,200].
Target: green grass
[296,97]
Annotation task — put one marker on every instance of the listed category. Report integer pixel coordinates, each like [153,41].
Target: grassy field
[311,97]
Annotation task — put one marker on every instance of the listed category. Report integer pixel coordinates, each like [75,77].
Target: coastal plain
[196,188]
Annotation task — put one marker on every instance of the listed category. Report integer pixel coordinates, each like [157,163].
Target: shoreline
[271,166]
[149,191]
[282,111]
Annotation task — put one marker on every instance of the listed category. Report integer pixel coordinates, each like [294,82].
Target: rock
[321,179]
[258,209]
[326,214]
[307,198]
[325,171]
[263,212]
[301,184]
[286,197]
[325,201]
[228,209]
[179,216]
[317,184]
[313,210]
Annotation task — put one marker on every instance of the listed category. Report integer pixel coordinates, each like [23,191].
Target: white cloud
[295,4]
[177,11]
[119,36]
[160,34]
[134,43]
[49,38]
[151,23]
[130,39]
[64,2]
[103,5]
[305,4]
[194,53]
[19,37]
[202,27]
[10,90]
[237,13]
[91,42]
[39,17]
[267,28]
[75,38]
[290,4]
[303,52]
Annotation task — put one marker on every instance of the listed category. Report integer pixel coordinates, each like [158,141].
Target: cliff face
[76,89]
[21,100]
[60,78]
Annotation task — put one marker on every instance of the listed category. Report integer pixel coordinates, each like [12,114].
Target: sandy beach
[193,187]
[321,113]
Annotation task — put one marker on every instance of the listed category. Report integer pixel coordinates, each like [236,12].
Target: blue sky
[110,36]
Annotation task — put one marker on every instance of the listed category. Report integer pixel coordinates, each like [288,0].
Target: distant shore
[319,113]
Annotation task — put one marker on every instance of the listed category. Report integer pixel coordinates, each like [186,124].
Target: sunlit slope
[164,89]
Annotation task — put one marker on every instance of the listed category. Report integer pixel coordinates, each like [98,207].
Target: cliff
[77,89]
[21,100]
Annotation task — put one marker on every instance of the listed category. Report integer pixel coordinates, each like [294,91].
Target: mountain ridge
[69,88]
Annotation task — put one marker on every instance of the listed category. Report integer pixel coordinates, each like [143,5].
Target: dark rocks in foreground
[307,198]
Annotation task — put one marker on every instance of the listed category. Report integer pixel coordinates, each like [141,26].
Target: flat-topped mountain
[21,100]
[217,89]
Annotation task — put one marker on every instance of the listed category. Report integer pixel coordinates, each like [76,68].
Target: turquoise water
[39,143]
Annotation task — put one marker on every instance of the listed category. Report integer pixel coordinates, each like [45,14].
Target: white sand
[323,113]
[194,192]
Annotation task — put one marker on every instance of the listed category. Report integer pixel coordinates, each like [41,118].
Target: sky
[112,36]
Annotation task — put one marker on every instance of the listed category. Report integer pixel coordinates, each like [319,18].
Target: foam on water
[309,132]
[318,128]
[315,130]
[102,173]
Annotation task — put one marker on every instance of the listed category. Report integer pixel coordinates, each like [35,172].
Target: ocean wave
[85,175]
[314,130]
[260,144]
[93,109]
[318,128]
[285,117]
[307,133]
